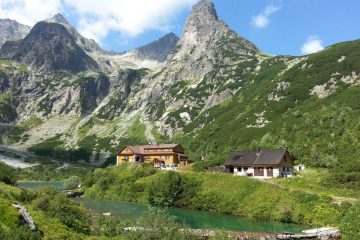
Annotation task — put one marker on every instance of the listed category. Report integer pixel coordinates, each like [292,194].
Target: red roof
[140,149]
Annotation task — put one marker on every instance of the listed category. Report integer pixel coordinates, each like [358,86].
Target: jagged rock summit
[203,41]
[88,45]
[50,47]
[11,30]
[204,27]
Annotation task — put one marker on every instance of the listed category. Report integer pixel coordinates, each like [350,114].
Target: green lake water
[32,185]
[193,218]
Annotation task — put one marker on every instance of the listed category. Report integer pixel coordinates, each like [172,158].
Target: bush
[56,205]
[109,227]
[350,224]
[7,174]
[72,183]
[19,232]
[162,227]
[166,189]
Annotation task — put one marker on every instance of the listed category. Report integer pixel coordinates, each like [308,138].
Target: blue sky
[293,27]
[331,21]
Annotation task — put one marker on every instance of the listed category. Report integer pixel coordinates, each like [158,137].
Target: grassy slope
[317,131]
[312,181]
[50,227]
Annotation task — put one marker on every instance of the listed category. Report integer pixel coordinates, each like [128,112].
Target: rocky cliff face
[198,48]
[50,47]
[11,30]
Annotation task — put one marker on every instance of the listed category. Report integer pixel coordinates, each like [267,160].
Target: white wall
[239,171]
[277,172]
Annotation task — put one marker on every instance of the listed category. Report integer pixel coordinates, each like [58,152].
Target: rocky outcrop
[125,83]
[92,91]
[11,30]
[25,216]
[50,47]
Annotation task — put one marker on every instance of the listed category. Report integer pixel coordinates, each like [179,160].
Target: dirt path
[340,200]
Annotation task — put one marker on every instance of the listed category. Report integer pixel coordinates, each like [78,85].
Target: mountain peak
[171,35]
[205,8]
[204,25]
[58,18]
[50,47]
[89,45]
[157,50]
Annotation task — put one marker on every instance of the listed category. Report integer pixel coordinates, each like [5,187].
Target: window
[126,157]
[245,169]
[167,157]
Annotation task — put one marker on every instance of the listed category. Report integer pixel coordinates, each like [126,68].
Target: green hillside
[322,132]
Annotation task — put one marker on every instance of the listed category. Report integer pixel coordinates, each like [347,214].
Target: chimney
[258,151]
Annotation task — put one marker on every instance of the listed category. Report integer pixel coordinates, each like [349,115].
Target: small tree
[166,189]
[72,183]
[7,174]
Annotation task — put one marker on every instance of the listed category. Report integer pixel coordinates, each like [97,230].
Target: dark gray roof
[264,157]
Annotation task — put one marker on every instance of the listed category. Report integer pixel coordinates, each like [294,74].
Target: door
[258,172]
[270,172]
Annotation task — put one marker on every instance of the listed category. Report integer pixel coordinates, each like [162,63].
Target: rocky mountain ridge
[11,30]
[206,45]
[157,50]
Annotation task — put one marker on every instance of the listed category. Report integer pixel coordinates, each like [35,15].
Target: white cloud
[263,19]
[29,11]
[313,44]
[128,17]
[96,19]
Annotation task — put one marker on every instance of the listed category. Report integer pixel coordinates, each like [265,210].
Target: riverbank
[195,219]
[218,193]
[142,178]
[131,212]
